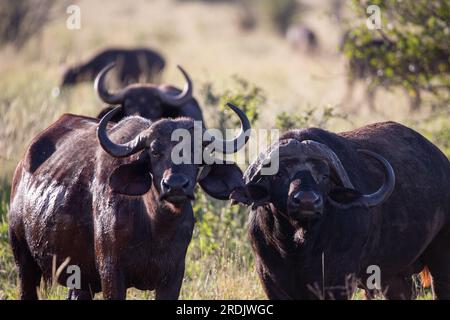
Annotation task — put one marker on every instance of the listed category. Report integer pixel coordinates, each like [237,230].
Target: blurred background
[288,63]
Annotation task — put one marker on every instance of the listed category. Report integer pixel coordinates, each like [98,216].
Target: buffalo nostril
[165,185]
[296,198]
[315,199]
[307,199]
[180,180]
[318,204]
[175,182]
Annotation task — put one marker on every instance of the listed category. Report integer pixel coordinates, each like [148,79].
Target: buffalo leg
[369,294]
[29,272]
[112,279]
[75,294]
[113,284]
[170,289]
[399,288]
[437,258]
[271,289]
[108,255]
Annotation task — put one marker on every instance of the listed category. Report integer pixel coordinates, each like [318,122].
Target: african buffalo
[133,65]
[377,196]
[302,38]
[149,100]
[120,211]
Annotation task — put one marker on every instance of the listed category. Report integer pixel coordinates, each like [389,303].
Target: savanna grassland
[224,62]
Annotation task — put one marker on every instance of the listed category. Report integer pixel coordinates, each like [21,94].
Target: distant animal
[120,211]
[150,101]
[302,38]
[336,8]
[133,65]
[247,17]
[343,206]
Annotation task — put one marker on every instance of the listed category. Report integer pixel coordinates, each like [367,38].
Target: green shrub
[310,117]
[415,54]
[247,96]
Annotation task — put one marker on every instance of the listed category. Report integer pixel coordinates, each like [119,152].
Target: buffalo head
[309,175]
[69,77]
[146,100]
[173,182]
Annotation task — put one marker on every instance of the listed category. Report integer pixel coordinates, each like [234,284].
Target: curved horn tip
[387,188]
[115,150]
[245,122]
[233,106]
[184,96]
[107,117]
[110,66]
[102,91]
[238,142]
[188,79]
[103,72]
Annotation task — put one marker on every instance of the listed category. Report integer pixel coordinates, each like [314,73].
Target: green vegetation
[415,54]
[249,97]
[309,117]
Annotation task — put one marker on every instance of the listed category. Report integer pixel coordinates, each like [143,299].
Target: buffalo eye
[155,153]
[155,149]
[280,174]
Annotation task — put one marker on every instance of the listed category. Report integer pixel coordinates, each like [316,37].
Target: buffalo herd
[106,195]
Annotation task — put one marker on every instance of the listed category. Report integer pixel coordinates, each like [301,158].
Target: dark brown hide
[132,65]
[148,100]
[322,258]
[142,100]
[71,199]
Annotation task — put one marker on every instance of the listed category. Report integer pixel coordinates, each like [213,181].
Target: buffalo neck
[165,219]
[275,228]
[289,234]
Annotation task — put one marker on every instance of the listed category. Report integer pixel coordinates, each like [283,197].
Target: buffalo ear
[240,195]
[255,194]
[221,180]
[344,195]
[259,194]
[131,179]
